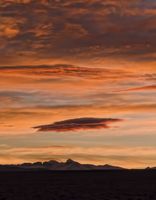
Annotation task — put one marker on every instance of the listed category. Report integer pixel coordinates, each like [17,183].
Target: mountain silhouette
[55,165]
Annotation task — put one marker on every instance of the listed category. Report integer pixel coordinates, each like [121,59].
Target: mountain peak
[70,161]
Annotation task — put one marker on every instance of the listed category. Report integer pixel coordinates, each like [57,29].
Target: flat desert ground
[78,185]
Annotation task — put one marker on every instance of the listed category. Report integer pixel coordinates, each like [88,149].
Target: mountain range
[57,166]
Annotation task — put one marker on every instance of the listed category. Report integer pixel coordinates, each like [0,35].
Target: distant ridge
[53,165]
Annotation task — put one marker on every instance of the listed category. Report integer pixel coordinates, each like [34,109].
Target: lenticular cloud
[77,124]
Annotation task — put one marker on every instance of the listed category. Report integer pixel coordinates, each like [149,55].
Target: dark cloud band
[77,124]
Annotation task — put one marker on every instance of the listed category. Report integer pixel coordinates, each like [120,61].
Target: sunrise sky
[78,80]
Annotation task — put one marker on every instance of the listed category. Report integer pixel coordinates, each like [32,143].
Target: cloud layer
[48,30]
[41,94]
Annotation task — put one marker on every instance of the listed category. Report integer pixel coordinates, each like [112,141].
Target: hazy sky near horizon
[85,68]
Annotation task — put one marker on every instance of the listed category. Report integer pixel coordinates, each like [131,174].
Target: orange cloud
[144,88]
[8,27]
[43,30]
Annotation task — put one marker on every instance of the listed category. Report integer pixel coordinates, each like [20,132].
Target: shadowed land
[78,185]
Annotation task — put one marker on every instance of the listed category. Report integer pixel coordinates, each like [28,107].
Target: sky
[78,80]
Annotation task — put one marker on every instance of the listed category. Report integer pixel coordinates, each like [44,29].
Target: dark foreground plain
[78,185]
